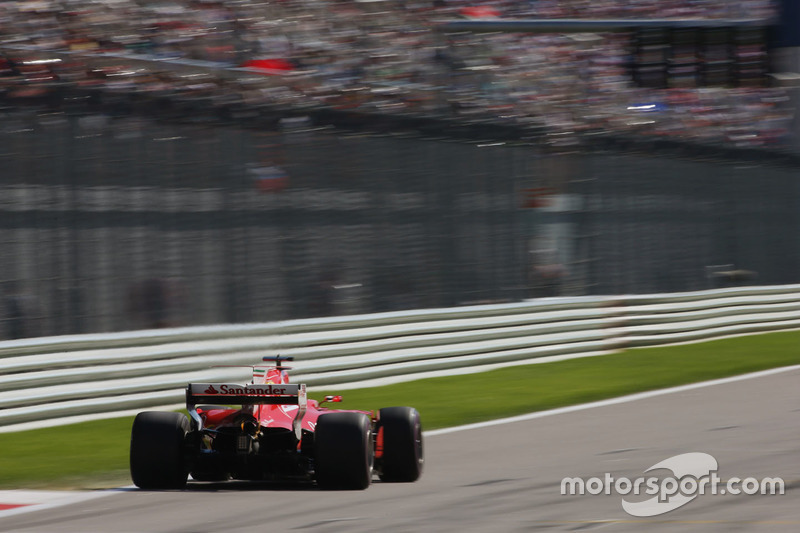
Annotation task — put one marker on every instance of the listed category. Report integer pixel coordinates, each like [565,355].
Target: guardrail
[56,377]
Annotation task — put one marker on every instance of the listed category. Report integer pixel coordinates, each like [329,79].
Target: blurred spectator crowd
[383,56]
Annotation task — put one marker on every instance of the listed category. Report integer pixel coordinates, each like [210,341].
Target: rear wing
[251,394]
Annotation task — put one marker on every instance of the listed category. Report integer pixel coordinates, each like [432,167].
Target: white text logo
[693,474]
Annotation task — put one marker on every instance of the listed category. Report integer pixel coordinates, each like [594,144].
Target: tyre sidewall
[402,456]
[343,451]
[157,451]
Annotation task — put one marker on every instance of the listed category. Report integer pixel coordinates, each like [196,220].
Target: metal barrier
[52,378]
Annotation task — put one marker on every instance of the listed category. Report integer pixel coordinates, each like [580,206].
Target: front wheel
[157,457]
[400,440]
[343,451]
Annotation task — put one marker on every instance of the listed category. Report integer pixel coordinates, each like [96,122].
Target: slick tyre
[157,458]
[400,432]
[343,451]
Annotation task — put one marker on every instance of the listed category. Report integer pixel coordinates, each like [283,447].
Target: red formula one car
[273,433]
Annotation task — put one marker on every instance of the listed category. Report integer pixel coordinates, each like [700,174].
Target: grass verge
[95,454]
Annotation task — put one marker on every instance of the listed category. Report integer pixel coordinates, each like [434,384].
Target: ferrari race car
[269,430]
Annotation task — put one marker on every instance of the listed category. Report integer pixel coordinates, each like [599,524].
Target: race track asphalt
[508,477]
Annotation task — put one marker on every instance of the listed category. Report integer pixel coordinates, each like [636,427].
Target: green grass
[95,454]
[87,455]
[455,400]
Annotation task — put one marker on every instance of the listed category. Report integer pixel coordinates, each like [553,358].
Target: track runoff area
[719,455]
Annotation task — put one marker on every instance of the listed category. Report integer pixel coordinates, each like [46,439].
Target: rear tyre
[400,430]
[157,458]
[343,451]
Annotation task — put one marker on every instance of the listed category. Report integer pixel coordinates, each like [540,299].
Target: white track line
[611,401]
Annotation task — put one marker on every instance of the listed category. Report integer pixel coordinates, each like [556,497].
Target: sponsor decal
[226,389]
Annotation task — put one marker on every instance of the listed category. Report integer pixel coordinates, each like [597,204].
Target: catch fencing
[55,378]
[114,222]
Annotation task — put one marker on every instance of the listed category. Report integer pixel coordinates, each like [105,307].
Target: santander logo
[246,390]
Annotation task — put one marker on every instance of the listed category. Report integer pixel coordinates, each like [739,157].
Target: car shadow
[247,486]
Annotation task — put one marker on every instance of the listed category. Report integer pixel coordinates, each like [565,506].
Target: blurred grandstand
[382,57]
